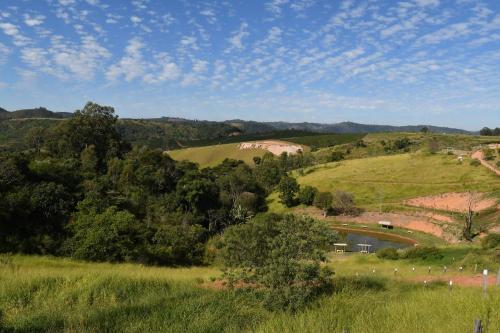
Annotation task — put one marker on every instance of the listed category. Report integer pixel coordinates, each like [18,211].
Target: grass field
[398,177]
[39,294]
[213,155]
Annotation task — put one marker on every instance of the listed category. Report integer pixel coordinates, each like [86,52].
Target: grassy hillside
[399,177]
[39,294]
[377,144]
[214,155]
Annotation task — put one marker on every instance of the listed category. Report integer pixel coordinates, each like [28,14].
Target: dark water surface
[377,241]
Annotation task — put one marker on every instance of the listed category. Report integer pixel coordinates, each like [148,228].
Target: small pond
[376,240]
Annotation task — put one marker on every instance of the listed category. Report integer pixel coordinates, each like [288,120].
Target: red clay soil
[478,154]
[461,280]
[455,202]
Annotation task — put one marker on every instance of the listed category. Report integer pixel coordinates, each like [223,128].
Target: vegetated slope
[377,144]
[41,294]
[13,131]
[213,155]
[391,179]
[40,112]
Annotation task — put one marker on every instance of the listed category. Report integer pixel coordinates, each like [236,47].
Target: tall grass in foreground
[39,294]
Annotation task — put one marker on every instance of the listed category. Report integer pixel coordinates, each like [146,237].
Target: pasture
[394,178]
[210,156]
[63,295]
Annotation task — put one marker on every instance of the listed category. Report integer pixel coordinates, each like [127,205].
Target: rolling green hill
[213,155]
[398,177]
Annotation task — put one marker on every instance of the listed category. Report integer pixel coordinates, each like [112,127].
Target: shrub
[491,241]
[307,195]
[422,252]
[475,162]
[336,156]
[282,254]
[498,164]
[388,253]
[323,200]
[343,203]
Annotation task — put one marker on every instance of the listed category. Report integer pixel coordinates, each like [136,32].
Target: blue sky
[370,61]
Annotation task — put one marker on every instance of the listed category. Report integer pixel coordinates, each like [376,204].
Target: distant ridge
[250,126]
[40,112]
[346,127]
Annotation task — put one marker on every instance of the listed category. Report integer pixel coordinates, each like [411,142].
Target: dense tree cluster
[82,191]
[490,132]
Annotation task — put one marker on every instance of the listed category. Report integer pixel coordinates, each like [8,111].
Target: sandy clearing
[273,146]
[455,202]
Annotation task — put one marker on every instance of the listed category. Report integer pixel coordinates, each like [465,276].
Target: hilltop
[39,112]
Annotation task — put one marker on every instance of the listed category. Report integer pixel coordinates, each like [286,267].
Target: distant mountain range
[40,112]
[250,127]
[350,127]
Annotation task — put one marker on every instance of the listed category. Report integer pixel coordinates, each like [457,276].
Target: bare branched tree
[472,200]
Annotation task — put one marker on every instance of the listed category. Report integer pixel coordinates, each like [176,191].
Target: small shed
[340,247]
[364,248]
[386,224]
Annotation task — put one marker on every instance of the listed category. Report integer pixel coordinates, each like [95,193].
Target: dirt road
[478,154]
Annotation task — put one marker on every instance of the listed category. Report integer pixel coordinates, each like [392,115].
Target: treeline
[490,132]
[83,191]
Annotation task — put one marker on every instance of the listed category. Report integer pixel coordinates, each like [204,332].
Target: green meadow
[395,178]
[42,294]
[210,156]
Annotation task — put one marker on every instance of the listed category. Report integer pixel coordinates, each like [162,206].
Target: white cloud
[32,21]
[210,15]
[131,65]
[13,31]
[275,6]
[424,3]
[301,5]
[236,40]
[135,19]
[66,2]
[4,53]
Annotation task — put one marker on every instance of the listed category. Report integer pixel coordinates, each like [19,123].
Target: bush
[343,203]
[336,156]
[491,241]
[475,162]
[388,253]
[498,164]
[282,254]
[323,201]
[423,252]
[307,195]
[113,235]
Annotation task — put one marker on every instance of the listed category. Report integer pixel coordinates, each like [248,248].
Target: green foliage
[307,195]
[282,254]
[177,244]
[323,201]
[112,235]
[94,125]
[288,188]
[423,253]
[491,241]
[343,203]
[336,156]
[488,153]
[388,253]
[475,162]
